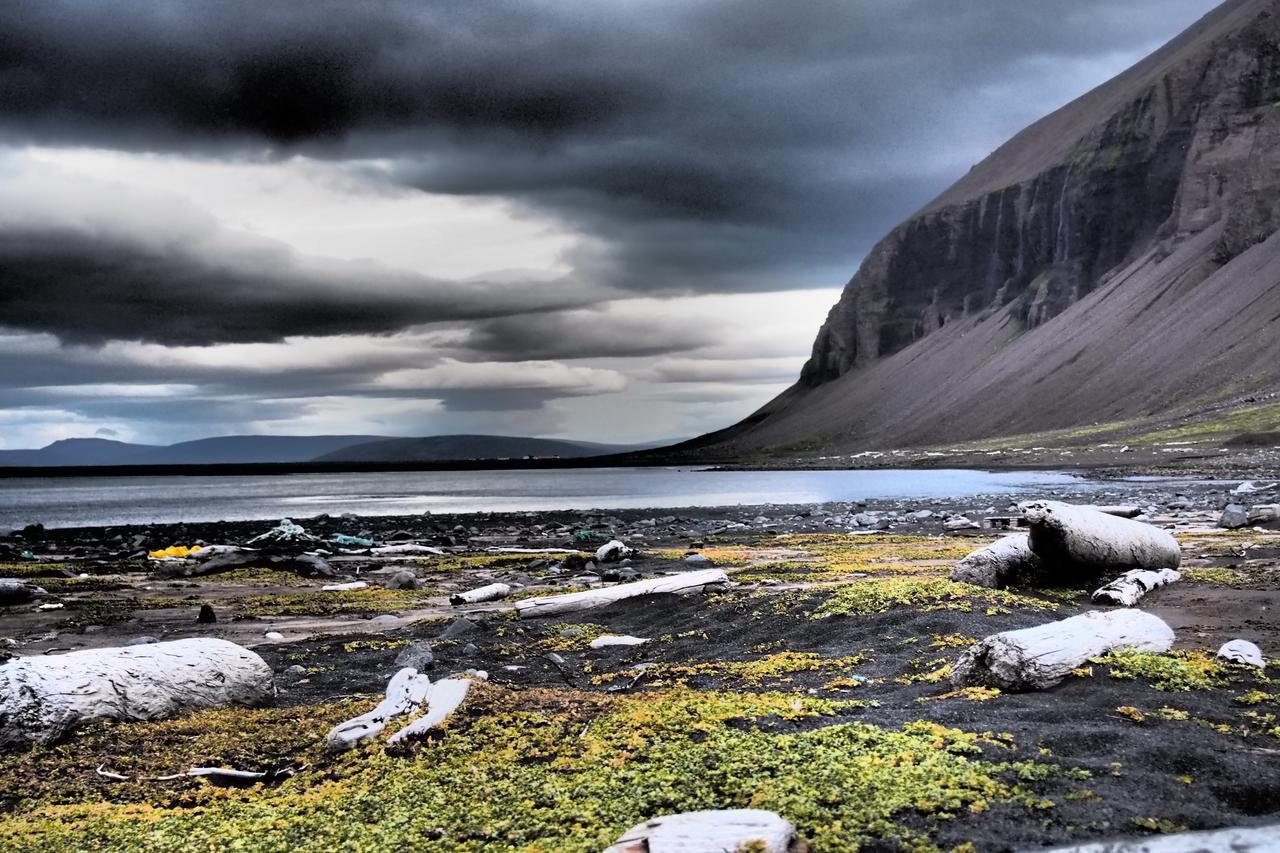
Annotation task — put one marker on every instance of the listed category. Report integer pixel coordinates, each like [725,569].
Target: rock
[207,616]
[417,655]
[457,628]
[144,640]
[1264,513]
[273,636]
[470,650]
[403,580]
[19,591]
[613,551]
[920,515]
[1233,517]
[698,561]
[294,672]
[712,832]
[961,522]
[865,519]
[1242,651]
[384,621]
[620,574]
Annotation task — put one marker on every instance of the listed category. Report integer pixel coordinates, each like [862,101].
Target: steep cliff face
[1179,156]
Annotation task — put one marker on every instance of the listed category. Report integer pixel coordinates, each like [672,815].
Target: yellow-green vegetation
[1223,425]
[772,669]
[33,570]
[373,601]
[876,595]
[1175,671]
[251,576]
[560,770]
[973,694]
[1216,576]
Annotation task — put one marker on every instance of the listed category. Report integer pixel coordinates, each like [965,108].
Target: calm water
[85,501]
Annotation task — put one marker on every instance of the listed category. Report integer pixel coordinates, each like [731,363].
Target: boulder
[1242,651]
[403,580]
[1233,517]
[1264,513]
[612,552]
[417,655]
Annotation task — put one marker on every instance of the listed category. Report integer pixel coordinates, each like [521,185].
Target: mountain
[450,448]
[242,449]
[77,451]
[1118,260]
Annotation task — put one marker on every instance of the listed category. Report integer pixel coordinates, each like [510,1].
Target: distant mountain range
[251,449]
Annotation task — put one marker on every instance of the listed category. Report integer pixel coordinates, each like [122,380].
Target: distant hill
[267,449]
[449,448]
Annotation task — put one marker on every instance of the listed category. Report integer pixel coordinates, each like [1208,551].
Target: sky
[619,221]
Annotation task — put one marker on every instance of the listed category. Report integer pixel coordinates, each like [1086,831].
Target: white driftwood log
[1122,510]
[531,550]
[1038,658]
[406,692]
[443,699]
[704,832]
[408,548]
[999,564]
[549,605]
[1242,651]
[1128,589]
[612,552]
[608,640]
[44,698]
[492,592]
[344,587]
[1238,839]
[19,591]
[1093,542]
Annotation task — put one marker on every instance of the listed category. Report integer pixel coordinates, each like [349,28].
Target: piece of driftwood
[1128,589]
[43,699]
[286,536]
[406,693]
[345,587]
[530,551]
[609,640]
[1242,651]
[238,558]
[221,776]
[1122,510]
[19,591]
[443,699]
[712,832]
[1000,564]
[1084,541]
[492,592]
[1038,658]
[407,548]
[1236,839]
[685,582]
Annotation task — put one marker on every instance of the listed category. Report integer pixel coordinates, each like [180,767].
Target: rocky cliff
[1068,277]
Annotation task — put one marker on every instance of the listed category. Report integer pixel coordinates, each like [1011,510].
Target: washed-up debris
[492,592]
[1120,511]
[1242,651]
[1128,589]
[608,640]
[224,777]
[1250,487]
[345,541]
[999,564]
[231,558]
[406,548]
[406,693]
[42,699]
[708,831]
[442,700]
[1040,657]
[19,591]
[285,535]
[1088,542]
[685,582]
[174,552]
[530,551]
[1236,839]
[614,551]
[345,587]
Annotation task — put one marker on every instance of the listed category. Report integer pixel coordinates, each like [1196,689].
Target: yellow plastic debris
[174,551]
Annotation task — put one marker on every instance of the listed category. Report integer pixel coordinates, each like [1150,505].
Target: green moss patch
[862,598]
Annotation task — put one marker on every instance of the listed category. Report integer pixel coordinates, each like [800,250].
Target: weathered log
[1128,589]
[406,693]
[443,699]
[1236,839]
[407,548]
[492,592]
[1242,651]
[998,565]
[703,832]
[238,558]
[1090,542]
[530,551]
[42,699]
[1120,510]
[549,605]
[350,586]
[1038,658]
[19,591]
[609,640]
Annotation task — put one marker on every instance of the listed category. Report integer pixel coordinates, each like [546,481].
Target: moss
[862,598]
[1175,671]
[373,600]
[568,772]
[772,669]
[1220,425]
[1216,576]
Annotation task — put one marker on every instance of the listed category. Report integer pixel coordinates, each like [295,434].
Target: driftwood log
[19,591]
[1128,589]
[42,699]
[686,582]
[1040,657]
[443,699]
[1089,542]
[492,592]
[1242,651]
[1000,564]
[704,832]
[1236,839]
[406,693]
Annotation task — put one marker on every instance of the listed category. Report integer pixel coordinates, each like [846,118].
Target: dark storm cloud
[713,145]
[86,286]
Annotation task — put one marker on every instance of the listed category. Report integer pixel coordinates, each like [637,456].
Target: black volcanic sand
[1129,758]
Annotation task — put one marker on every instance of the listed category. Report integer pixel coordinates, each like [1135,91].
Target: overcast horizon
[620,223]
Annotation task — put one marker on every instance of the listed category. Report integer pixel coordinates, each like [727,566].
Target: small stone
[457,628]
[294,672]
[273,636]
[418,655]
[207,616]
[385,620]
[403,580]
[698,561]
[470,650]
[144,640]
